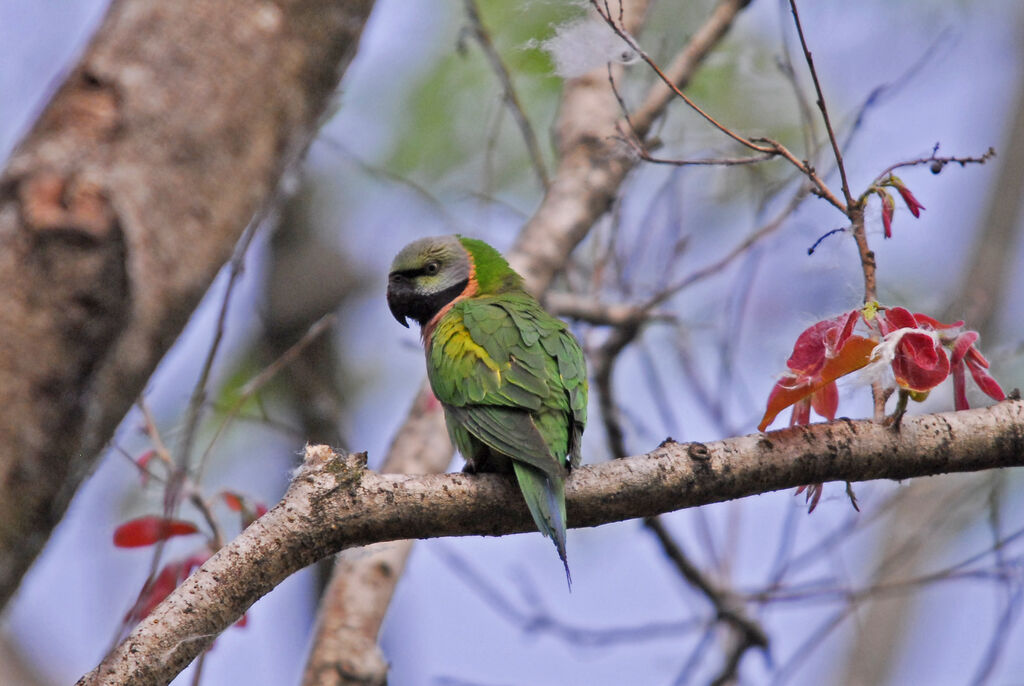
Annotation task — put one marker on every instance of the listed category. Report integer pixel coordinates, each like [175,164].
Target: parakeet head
[430,273]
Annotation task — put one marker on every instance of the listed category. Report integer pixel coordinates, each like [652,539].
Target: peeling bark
[118,209]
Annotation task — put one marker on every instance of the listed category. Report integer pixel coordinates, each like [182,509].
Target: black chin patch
[404,301]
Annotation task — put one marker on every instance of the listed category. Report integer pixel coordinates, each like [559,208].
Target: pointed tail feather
[546,499]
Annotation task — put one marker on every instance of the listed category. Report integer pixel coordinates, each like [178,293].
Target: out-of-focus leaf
[149,529]
[448,118]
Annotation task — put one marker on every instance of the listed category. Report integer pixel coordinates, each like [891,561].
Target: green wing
[514,377]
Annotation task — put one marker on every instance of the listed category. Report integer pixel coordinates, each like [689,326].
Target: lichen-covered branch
[334,503]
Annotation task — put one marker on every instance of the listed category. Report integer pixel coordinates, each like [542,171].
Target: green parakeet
[511,377]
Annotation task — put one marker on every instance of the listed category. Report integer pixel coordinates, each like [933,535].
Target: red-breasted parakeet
[510,376]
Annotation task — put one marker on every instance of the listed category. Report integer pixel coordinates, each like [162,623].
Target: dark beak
[397,286]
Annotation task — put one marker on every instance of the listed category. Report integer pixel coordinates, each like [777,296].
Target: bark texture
[334,503]
[119,207]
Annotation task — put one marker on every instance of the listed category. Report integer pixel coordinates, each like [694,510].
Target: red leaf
[888,207]
[782,396]
[959,388]
[897,318]
[801,412]
[826,401]
[821,341]
[149,529]
[166,581]
[985,382]
[912,203]
[962,345]
[923,319]
[854,355]
[814,492]
[233,500]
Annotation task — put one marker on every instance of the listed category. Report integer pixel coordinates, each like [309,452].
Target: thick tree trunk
[120,206]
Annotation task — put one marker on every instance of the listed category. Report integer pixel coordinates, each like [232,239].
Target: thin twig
[717,266]
[541,622]
[785,64]
[936,162]
[1000,635]
[766,146]
[749,633]
[821,105]
[385,175]
[621,33]
[515,107]
[592,311]
[198,396]
[643,154]
[723,602]
[257,382]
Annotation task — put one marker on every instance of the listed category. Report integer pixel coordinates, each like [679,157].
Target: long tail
[546,499]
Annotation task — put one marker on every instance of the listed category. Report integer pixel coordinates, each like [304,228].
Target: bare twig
[749,633]
[622,33]
[646,156]
[935,161]
[261,379]
[727,607]
[482,37]
[599,313]
[198,397]
[715,267]
[998,642]
[821,105]
[643,117]
[540,622]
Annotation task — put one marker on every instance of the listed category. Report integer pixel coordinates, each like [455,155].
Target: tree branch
[591,166]
[334,503]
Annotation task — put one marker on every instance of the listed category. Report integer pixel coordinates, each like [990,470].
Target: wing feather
[514,377]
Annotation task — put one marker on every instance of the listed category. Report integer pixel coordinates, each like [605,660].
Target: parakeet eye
[432,268]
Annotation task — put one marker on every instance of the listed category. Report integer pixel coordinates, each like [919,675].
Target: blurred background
[923,585]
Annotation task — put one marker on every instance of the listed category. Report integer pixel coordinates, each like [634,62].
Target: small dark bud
[936,167]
